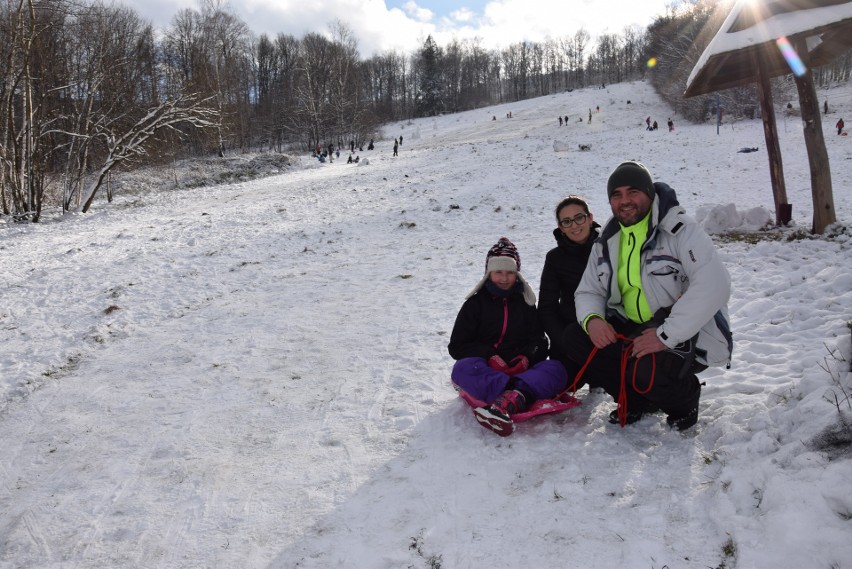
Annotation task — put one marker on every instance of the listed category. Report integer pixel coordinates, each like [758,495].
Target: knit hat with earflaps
[503,256]
[632,174]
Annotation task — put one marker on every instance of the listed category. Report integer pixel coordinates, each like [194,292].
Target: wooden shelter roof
[751,30]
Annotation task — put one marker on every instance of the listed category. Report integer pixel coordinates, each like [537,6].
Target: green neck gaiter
[629,271]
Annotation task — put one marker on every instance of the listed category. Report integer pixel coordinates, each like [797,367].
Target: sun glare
[789,53]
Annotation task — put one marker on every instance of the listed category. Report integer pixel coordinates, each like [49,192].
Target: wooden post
[773,148]
[821,192]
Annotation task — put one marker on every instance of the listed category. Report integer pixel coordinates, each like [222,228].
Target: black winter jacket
[563,269]
[479,325]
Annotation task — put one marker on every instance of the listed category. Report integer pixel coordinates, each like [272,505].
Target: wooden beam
[821,191]
[773,148]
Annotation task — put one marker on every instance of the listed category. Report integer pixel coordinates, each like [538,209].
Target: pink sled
[560,403]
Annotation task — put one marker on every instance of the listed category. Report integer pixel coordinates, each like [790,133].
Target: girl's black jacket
[479,328]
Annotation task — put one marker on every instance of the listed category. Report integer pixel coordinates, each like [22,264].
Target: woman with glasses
[575,234]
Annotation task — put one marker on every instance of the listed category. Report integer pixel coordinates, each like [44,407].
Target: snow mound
[724,218]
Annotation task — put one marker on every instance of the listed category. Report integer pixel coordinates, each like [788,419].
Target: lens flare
[652,63]
[793,59]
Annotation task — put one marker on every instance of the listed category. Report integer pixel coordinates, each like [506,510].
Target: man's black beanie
[633,174]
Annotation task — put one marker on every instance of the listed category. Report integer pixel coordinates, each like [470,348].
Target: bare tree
[633,49]
[554,67]
[212,50]
[108,69]
[346,97]
[276,64]
[511,60]
[228,55]
[580,43]
[675,41]
[475,77]
[313,91]
[607,59]
[535,64]
[451,66]
[33,45]
[124,144]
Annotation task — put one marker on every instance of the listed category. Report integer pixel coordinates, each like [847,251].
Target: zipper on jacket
[505,323]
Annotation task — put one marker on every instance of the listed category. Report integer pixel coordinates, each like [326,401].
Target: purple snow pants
[544,380]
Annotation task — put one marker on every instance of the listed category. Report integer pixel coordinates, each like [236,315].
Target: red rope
[622,392]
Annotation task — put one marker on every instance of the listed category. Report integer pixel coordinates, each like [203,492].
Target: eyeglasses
[579,219]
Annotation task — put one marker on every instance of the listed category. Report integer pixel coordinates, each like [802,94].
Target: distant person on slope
[840,124]
[653,304]
[499,344]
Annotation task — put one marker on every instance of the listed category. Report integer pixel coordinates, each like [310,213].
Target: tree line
[89,87]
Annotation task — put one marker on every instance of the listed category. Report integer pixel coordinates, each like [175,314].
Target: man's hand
[601,332]
[647,343]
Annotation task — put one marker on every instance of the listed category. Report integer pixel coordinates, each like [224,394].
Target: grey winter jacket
[681,270]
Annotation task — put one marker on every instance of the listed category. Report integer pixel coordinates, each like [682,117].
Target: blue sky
[442,8]
[381,25]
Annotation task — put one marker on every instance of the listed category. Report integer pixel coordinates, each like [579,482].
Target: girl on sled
[500,346]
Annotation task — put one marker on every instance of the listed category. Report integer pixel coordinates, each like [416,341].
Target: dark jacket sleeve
[466,340]
[548,298]
[536,349]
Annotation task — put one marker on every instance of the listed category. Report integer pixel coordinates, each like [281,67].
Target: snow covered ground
[255,375]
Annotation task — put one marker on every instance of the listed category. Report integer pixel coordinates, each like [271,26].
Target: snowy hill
[256,375]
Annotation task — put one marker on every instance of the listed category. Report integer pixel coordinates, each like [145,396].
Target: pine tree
[430,99]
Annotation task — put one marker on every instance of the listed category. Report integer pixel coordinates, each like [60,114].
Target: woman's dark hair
[572,199]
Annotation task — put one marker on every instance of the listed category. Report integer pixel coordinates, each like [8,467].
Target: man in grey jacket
[652,304]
